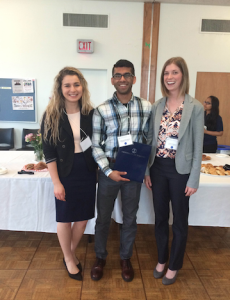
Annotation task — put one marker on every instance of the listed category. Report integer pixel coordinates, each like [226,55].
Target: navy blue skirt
[80,189]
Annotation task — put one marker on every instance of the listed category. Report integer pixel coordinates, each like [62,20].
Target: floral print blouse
[169,127]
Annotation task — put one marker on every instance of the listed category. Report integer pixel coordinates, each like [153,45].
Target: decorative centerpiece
[36,141]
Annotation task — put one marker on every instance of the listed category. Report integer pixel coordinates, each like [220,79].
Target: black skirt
[80,190]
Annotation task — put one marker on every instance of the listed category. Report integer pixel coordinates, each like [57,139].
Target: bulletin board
[17,100]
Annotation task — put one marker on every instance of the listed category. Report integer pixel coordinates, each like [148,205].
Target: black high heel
[77,276]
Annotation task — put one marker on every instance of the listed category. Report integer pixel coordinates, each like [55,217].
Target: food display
[205,157]
[214,170]
[41,166]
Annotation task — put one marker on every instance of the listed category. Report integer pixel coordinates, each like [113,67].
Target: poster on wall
[22,103]
[22,86]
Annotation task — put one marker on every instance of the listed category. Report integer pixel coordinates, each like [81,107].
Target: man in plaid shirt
[123,114]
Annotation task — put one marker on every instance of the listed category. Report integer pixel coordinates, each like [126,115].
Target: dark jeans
[106,194]
[168,184]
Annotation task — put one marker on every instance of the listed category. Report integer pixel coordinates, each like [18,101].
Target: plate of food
[209,169]
[205,157]
[39,167]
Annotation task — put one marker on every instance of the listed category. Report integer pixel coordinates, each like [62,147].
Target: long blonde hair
[56,106]
[181,64]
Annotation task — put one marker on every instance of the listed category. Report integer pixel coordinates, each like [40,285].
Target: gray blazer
[190,140]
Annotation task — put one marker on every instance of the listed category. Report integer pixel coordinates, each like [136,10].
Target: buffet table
[27,201]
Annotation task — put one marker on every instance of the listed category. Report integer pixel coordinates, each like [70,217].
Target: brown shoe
[97,269]
[127,270]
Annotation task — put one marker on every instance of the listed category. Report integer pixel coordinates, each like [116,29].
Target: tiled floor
[31,267]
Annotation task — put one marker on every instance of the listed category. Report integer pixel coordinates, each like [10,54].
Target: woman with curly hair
[66,135]
[213,124]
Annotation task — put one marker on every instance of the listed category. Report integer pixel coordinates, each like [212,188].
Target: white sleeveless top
[74,120]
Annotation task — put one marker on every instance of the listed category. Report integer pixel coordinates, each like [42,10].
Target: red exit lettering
[84,45]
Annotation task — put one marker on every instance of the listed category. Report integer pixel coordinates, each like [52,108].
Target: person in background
[122,115]
[66,135]
[176,136]
[213,124]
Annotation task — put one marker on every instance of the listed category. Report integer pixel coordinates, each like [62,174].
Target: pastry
[221,173]
[205,157]
[220,168]
[213,171]
[40,166]
[29,167]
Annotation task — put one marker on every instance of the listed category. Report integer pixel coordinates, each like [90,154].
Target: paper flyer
[22,86]
[22,103]
[28,86]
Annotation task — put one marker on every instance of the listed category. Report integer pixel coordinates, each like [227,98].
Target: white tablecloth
[27,201]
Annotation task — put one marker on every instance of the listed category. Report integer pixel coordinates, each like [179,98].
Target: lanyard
[84,133]
[119,118]
[76,124]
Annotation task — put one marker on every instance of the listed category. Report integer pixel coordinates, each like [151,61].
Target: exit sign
[84,46]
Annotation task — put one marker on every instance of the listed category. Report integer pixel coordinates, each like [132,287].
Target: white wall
[180,36]
[34,44]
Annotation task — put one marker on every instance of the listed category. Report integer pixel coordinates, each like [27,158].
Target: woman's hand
[148,182]
[59,191]
[213,133]
[189,191]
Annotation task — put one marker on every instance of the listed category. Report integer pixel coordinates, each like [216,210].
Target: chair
[6,138]
[27,146]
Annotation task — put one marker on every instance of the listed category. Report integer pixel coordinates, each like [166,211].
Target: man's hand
[116,176]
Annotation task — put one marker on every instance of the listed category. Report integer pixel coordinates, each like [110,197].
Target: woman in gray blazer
[176,136]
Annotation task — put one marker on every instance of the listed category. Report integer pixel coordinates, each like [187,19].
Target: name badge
[85,144]
[125,140]
[171,143]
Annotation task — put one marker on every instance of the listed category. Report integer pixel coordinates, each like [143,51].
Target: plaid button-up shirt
[112,119]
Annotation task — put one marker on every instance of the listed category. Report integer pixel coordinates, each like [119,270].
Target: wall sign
[84,46]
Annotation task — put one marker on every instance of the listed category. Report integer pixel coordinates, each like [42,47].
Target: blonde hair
[56,106]
[181,64]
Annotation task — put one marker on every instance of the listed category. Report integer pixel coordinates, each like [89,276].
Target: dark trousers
[106,194]
[168,184]
[210,148]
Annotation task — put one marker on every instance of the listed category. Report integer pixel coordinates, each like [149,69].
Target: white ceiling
[202,2]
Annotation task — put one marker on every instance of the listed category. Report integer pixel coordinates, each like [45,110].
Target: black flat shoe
[76,276]
[79,265]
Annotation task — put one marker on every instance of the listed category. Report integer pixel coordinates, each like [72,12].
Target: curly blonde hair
[181,64]
[56,106]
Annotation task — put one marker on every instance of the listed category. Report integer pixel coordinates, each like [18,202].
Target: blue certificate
[133,159]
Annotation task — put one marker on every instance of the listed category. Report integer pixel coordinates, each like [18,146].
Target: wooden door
[216,84]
